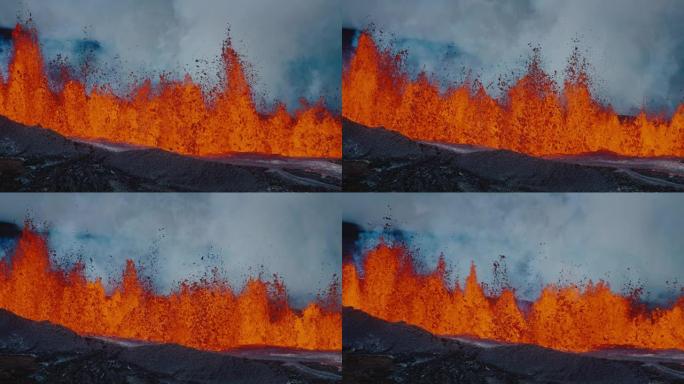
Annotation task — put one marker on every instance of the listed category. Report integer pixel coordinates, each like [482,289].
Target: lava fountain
[568,318]
[207,315]
[174,115]
[535,115]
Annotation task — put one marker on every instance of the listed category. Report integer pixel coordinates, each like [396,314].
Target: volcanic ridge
[34,159]
[376,351]
[382,160]
[41,352]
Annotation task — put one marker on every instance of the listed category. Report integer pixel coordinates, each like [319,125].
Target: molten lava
[207,315]
[175,115]
[568,318]
[535,116]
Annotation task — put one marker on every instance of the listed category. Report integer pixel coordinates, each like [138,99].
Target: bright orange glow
[175,115]
[208,315]
[569,318]
[535,116]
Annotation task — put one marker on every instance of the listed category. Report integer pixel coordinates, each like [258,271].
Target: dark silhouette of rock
[377,351]
[41,352]
[37,159]
[376,159]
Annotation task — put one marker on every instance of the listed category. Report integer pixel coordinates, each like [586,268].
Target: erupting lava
[175,115]
[569,318]
[535,116]
[207,315]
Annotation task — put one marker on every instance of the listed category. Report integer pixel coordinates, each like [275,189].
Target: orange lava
[209,315]
[534,116]
[175,115]
[569,318]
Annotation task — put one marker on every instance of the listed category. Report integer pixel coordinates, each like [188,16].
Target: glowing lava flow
[569,318]
[207,315]
[175,115]
[533,117]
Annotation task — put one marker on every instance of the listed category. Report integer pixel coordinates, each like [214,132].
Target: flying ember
[574,318]
[534,115]
[177,116]
[209,314]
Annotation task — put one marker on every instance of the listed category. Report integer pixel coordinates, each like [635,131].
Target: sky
[546,238]
[294,49]
[296,236]
[636,48]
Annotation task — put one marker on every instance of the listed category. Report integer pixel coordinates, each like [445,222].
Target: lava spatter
[574,318]
[208,315]
[172,115]
[535,115]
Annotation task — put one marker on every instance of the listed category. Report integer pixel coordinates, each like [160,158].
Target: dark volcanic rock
[19,140]
[361,143]
[526,173]
[22,336]
[376,159]
[371,335]
[40,352]
[175,172]
[376,351]
[552,366]
[37,159]
[191,365]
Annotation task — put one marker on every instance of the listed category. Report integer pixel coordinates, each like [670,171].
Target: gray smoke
[294,47]
[546,238]
[636,47]
[293,235]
